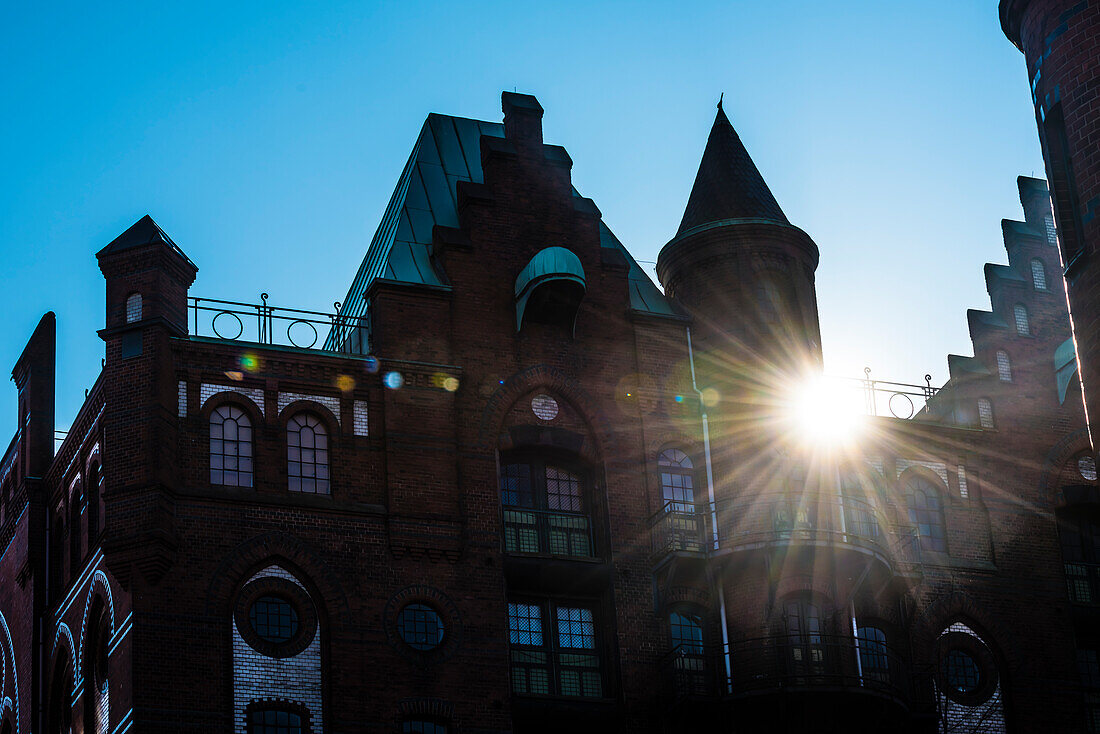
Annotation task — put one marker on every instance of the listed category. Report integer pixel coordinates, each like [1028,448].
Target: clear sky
[266,139]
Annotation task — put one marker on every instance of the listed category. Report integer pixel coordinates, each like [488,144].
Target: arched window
[688,659]
[230,447]
[677,482]
[60,712]
[968,686]
[275,720]
[874,663]
[1038,275]
[926,513]
[1023,327]
[96,679]
[420,726]
[859,511]
[95,494]
[57,553]
[76,517]
[805,642]
[545,507]
[307,454]
[133,308]
[985,413]
[1004,366]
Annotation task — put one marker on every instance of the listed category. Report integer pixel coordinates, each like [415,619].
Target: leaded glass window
[307,454]
[230,447]
[1038,275]
[985,413]
[1004,366]
[873,661]
[274,619]
[561,661]
[677,481]
[274,721]
[926,513]
[1023,327]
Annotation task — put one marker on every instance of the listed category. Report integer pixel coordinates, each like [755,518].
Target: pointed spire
[728,184]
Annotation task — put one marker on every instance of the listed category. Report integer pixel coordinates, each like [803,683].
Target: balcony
[542,532]
[816,663]
[786,664]
[679,528]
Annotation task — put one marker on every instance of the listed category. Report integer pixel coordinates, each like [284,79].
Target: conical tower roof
[728,184]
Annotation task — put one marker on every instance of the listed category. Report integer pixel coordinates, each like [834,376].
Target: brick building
[511,485]
[1059,41]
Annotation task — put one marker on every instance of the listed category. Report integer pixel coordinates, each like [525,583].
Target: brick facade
[543,511]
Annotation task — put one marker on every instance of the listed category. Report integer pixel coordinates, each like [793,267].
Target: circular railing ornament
[290,337]
[214,325]
[908,402]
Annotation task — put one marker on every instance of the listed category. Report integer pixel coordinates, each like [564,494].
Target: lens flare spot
[450,384]
[825,413]
[710,397]
[250,362]
[235,375]
[393,380]
[345,383]
[371,364]
[679,398]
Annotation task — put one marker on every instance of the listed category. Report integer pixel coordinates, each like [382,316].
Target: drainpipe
[713,512]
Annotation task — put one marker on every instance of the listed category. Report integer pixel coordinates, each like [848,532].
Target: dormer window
[549,289]
[133,308]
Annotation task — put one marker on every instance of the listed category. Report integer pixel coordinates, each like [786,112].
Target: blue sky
[266,139]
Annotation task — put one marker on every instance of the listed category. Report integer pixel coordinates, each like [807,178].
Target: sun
[826,413]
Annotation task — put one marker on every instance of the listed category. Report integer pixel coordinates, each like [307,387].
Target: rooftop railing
[882,397]
[270,325]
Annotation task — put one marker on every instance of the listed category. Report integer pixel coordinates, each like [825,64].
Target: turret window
[230,447]
[1023,327]
[1038,275]
[307,454]
[1004,366]
[133,308]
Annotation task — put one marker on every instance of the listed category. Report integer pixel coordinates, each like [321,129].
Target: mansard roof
[728,184]
[447,151]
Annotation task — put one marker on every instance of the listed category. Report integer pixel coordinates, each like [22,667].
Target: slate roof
[728,184]
[447,151]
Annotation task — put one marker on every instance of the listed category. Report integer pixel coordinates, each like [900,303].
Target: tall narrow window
[926,513]
[558,658]
[805,643]
[1023,327]
[688,658]
[307,454]
[1079,532]
[133,308]
[677,483]
[859,512]
[95,493]
[1038,275]
[1004,366]
[985,413]
[230,447]
[873,661]
[96,685]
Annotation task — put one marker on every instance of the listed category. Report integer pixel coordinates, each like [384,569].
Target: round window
[544,407]
[420,627]
[961,672]
[1087,466]
[274,619]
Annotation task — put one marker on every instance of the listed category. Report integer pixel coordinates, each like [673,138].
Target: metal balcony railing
[802,519]
[814,661]
[548,533]
[680,527]
[692,670]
